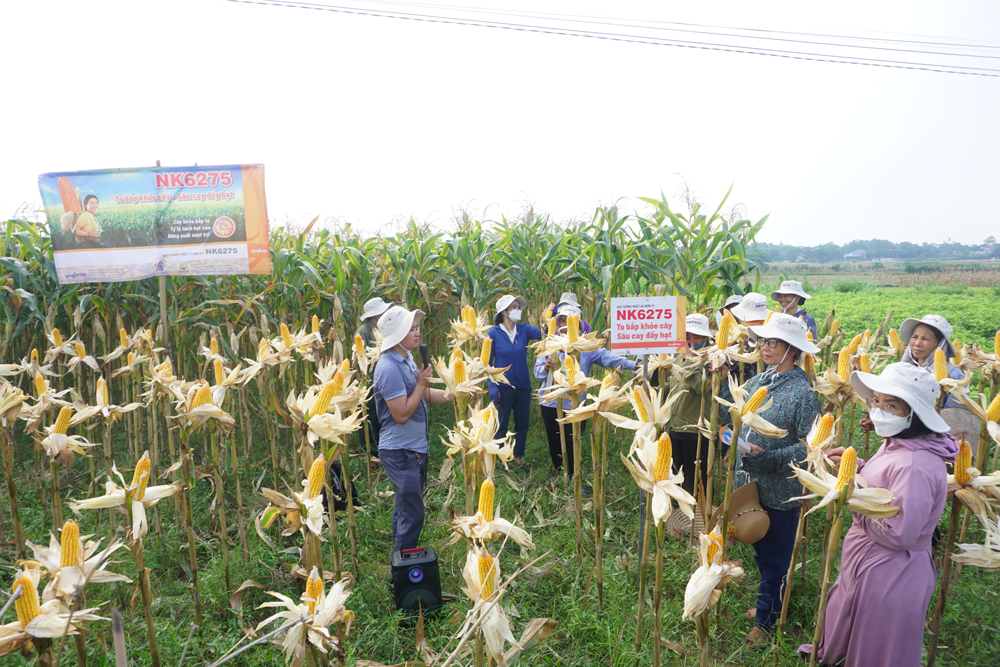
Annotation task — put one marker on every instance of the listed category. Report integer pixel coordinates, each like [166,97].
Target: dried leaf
[236,599]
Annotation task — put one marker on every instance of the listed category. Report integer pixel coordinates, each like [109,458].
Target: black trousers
[373,426]
[685,452]
[549,416]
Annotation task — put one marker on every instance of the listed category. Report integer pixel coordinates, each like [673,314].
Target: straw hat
[910,383]
[396,323]
[746,514]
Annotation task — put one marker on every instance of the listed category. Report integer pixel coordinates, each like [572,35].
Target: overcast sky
[366,119]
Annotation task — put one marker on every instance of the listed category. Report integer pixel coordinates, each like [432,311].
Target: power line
[686,27]
[655,41]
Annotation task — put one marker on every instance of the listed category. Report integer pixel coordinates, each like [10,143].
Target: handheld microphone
[424,356]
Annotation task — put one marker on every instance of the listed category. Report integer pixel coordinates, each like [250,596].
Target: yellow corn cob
[855,343]
[131,359]
[140,478]
[314,589]
[41,386]
[213,345]
[123,337]
[993,413]
[62,422]
[844,363]
[102,390]
[202,396]
[963,463]
[472,317]
[865,338]
[731,531]
[996,343]
[219,375]
[715,544]
[664,454]
[359,345]
[149,334]
[552,326]
[848,467]
[69,196]
[834,328]
[458,367]
[722,338]
[894,339]
[572,328]
[755,401]
[570,364]
[345,367]
[486,352]
[486,492]
[69,544]
[547,315]
[326,394]
[338,383]
[957,359]
[316,474]
[27,606]
[315,324]
[810,366]
[823,431]
[608,382]
[286,336]
[809,336]
[34,355]
[57,338]
[777,309]
[166,368]
[639,405]
[864,365]
[940,365]
[486,576]
[262,347]
[81,351]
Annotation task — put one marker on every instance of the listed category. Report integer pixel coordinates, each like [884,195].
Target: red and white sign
[647,324]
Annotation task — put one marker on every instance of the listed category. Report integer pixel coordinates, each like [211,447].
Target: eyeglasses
[769,343]
[892,408]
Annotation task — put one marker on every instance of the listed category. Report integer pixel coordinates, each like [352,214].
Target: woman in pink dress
[878,605]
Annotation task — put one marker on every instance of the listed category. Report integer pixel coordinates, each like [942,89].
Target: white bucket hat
[697,324]
[733,300]
[789,287]
[395,324]
[790,329]
[568,309]
[569,298]
[912,384]
[753,308]
[504,302]
[375,307]
[936,322]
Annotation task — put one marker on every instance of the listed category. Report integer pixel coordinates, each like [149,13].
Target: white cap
[375,307]
[396,323]
[789,287]
[697,324]
[910,383]
[753,308]
[567,309]
[784,327]
[936,322]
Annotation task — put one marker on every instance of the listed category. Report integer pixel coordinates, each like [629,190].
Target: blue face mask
[701,344]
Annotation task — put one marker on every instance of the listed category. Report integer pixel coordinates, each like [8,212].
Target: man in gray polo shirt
[401,394]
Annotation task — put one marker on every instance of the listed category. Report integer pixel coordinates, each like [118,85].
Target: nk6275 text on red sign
[647,324]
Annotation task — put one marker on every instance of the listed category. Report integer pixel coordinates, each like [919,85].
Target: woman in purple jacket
[510,348]
[877,608]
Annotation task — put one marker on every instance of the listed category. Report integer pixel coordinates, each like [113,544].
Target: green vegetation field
[554,588]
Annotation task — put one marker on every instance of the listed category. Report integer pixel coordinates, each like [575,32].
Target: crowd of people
[878,604]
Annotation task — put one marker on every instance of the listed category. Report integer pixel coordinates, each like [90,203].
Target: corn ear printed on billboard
[112,225]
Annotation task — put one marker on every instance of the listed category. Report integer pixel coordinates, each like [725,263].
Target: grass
[556,588]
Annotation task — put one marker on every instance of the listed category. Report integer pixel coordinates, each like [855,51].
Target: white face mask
[887,424]
[515,315]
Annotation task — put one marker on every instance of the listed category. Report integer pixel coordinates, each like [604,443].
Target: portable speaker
[416,582]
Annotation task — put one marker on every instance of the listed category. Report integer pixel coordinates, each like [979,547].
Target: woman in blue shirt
[510,348]
[543,368]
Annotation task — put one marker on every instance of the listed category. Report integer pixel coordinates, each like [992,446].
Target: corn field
[227,433]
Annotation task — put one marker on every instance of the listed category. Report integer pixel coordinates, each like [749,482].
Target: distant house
[855,256]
